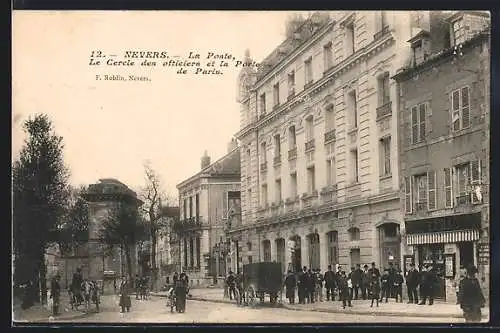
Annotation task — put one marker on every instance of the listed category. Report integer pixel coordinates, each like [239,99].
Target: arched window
[314,252]
[266,245]
[329,118]
[281,252]
[354,234]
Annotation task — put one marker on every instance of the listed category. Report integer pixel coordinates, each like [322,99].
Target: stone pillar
[304,254]
[272,246]
[323,249]
[195,251]
[181,251]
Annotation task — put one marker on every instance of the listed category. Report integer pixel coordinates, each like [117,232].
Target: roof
[167,211]
[228,165]
[420,34]
[110,189]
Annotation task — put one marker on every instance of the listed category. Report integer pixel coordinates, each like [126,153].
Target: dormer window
[466,24]
[420,47]
[458,32]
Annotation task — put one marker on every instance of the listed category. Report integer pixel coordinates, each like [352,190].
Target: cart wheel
[273,298]
[251,296]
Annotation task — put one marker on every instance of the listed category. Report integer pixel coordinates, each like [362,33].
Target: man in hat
[412,281]
[330,283]
[365,282]
[374,270]
[470,296]
[302,285]
[231,284]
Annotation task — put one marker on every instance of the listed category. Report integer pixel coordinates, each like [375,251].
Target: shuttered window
[475,172]
[431,190]
[460,108]
[418,122]
[408,195]
[448,188]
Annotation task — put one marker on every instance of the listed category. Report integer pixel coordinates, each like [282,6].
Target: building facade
[318,138]
[444,146]
[208,201]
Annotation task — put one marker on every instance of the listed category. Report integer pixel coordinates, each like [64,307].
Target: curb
[363,312]
[55,320]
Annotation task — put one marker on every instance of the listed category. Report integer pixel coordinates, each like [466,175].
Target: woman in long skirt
[125,301]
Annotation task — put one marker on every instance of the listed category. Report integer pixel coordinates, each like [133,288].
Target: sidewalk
[40,313]
[362,307]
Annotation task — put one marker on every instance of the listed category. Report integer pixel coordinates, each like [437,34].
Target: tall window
[198,252]
[314,251]
[291,83]
[308,70]
[333,246]
[293,185]
[277,145]
[353,108]
[354,234]
[327,56]
[276,94]
[262,101]
[385,156]
[383,86]
[463,177]
[408,195]
[190,207]
[311,180]
[292,138]
[197,206]
[420,191]
[263,152]
[330,171]
[185,206]
[418,53]
[329,118]
[382,20]
[191,252]
[431,190]
[264,195]
[309,128]
[418,117]
[460,108]
[185,253]
[355,255]
[349,38]
[267,250]
[278,190]
[354,166]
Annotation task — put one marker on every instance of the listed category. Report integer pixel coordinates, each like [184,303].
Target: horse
[90,295]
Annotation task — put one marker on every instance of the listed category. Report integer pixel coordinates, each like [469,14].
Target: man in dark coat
[374,270]
[137,286]
[301,285]
[357,280]
[392,275]
[181,292]
[231,284]
[344,290]
[338,276]
[310,286]
[239,287]
[470,296]
[385,285]
[398,286]
[412,281]
[428,285]
[76,286]
[290,284]
[365,282]
[55,294]
[330,283]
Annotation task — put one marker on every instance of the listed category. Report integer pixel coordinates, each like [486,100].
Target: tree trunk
[43,279]
[154,272]
[129,262]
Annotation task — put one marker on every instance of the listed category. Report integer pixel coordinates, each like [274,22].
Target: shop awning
[443,237]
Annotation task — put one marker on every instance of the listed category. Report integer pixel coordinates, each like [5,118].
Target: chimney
[233,144]
[205,160]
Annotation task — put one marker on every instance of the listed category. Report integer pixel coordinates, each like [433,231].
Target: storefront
[447,243]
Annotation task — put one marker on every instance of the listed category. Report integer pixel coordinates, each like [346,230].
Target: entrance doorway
[433,254]
[390,244]
[296,254]
[466,250]
[314,252]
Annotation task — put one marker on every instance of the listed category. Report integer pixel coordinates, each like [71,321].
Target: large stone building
[208,201]
[319,162]
[444,146]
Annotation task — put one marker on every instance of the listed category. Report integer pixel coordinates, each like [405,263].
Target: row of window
[460,185]
[460,114]
[192,258]
[187,207]
[350,47]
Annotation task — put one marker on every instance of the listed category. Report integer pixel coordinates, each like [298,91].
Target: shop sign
[483,253]
[444,223]
[449,248]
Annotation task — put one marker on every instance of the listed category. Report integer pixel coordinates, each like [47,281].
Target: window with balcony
[276,94]
[420,193]
[382,26]
[293,185]
[330,172]
[464,180]
[311,180]
[264,201]
[291,84]
[262,103]
[277,188]
[277,149]
[460,113]
[263,152]
[352,105]
[418,122]
[463,177]
[309,128]
[197,207]
[308,71]
[354,166]
[333,248]
[329,124]
[350,38]
[385,156]
[327,56]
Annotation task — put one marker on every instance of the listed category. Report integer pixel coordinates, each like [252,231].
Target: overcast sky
[111,128]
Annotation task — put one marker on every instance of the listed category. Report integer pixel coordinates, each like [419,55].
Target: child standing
[374,289]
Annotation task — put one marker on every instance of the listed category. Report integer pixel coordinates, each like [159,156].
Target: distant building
[208,201]
[444,150]
[95,264]
[164,248]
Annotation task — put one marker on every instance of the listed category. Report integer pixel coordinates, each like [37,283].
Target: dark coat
[290,284]
[356,277]
[470,295]
[343,287]
[412,278]
[329,279]
[375,271]
[398,279]
[375,288]
[55,290]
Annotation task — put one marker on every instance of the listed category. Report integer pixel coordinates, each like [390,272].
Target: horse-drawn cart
[261,279]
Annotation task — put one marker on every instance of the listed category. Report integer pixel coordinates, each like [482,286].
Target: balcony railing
[182,226]
[277,160]
[308,84]
[310,145]
[420,206]
[292,154]
[330,136]
[263,166]
[384,110]
[291,94]
[381,33]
